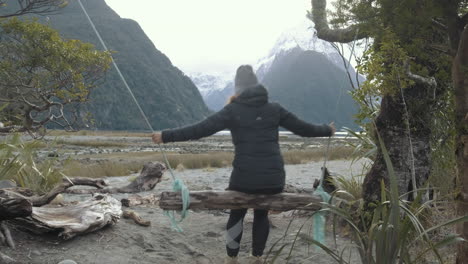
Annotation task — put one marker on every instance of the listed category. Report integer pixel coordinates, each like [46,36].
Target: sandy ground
[202,240]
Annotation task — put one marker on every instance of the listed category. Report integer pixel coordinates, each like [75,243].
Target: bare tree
[23,7]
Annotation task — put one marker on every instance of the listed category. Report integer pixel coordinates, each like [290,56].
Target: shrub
[18,163]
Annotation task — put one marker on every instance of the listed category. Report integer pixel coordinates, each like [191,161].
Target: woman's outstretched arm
[207,127]
[299,127]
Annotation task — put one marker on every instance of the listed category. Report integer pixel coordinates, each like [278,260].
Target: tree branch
[429,81]
[39,7]
[343,35]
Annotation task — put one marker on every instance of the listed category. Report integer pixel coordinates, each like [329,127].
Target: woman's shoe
[256,260]
[231,260]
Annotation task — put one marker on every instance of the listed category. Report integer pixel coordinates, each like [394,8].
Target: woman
[258,166]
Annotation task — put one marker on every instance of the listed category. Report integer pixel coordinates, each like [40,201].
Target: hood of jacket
[253,96]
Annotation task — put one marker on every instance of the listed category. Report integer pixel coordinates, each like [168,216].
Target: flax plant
[390,232]
[18,163]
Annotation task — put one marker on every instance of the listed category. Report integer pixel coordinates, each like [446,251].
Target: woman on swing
[258,166]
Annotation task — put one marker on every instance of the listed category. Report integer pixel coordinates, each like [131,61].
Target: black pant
[260,229]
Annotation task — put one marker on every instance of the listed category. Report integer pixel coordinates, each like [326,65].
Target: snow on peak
[207,83]
[303,36]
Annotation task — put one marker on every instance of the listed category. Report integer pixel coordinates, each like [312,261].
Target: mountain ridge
[168,97]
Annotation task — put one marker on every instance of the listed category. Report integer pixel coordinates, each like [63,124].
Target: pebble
[36,253]
[67,261]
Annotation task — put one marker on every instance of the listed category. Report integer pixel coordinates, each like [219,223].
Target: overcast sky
[213,35]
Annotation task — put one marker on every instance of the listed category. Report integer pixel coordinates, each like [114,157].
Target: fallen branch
[67,183]
[127,214]
[238,200]
[150,175]
[17,195]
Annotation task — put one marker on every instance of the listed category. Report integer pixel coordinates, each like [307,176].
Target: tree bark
[390,124]
[238,200]
[14,207]
[150,175]
[460,82]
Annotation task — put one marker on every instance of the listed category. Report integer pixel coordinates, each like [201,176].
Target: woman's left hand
[157,138]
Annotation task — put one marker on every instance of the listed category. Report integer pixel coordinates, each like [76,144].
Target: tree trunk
[238,200]
[460,81]
[391,122]
[392,127]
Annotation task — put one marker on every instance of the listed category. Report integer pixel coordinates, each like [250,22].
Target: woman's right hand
[157,138]
[332,127]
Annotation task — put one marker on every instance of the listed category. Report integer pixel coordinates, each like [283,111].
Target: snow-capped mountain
[302,36]
[208,83]
[302,72]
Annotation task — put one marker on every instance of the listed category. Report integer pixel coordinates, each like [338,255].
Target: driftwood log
[12,207]
[150,175]
[137,199]
[20,194]
[73,219]
[238,200]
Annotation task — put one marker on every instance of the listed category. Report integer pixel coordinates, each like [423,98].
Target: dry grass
[101,169]
[97,133]
[91,143]
[120,164]
[303,156]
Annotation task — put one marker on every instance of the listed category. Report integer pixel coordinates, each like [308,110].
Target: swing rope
[318,220]
[178,185]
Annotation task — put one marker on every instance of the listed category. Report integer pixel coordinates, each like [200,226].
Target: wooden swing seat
[237,200]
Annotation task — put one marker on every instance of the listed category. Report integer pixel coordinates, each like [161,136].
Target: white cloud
[213,35]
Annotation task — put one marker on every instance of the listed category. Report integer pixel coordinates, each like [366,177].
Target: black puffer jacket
[258,165]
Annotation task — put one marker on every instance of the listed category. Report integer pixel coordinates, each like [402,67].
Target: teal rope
[178,184]
[318,219]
